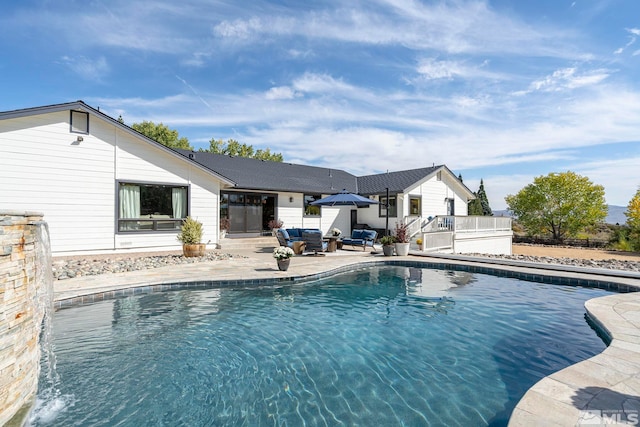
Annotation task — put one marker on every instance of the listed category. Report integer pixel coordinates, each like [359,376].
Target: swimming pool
[378,346]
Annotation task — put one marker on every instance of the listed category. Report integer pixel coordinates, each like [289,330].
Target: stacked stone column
[20,317]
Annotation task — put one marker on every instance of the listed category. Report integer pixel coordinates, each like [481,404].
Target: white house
[103,187]
[82,169]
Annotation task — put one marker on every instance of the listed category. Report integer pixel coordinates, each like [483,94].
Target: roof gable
[81,106]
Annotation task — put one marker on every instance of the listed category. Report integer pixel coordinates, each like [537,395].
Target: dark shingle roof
[252,174]
[397,182]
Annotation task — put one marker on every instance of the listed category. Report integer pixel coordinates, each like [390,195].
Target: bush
[388,240]
[275,223]
[191,232]
[225,224]
[402,233]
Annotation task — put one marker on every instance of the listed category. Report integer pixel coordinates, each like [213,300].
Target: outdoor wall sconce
[290,199]
[79,139]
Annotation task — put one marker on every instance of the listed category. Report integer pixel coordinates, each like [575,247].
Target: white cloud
[89,69]
[281,92]
[239,28]
[568,78]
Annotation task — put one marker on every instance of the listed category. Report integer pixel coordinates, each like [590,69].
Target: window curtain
[129,205]
[129,201]
[179,202]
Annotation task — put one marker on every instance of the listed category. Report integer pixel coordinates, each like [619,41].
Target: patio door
[247,212]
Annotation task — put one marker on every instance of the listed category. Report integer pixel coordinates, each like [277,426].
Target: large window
[414,205]
[310,210]
[393,211]
[151,207]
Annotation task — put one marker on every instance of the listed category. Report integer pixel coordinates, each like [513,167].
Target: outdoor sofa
[362,238]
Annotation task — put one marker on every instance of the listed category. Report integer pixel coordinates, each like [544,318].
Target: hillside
[615,215]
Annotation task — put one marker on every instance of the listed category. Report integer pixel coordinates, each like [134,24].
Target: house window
[151,207]
[415,205]
[393,211]
[310,210]
[79,122]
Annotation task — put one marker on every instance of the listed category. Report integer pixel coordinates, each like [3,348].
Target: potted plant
[274,224]
[225,225]
[402,239]
[387,245]
[283,255]
[191,237]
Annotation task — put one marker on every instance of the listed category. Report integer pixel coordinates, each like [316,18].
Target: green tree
[561,204]
[484,201]
[234,148]
[633,222]
[475,206]
[633,212]
[162,134]
[480,205]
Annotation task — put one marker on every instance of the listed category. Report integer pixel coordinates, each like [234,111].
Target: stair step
[248,243]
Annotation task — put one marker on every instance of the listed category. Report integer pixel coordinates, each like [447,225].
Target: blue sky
[503,90]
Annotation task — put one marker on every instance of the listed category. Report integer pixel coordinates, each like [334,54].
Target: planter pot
[402,249]
[223,234]
[283,264]
[194,250]
[388,250]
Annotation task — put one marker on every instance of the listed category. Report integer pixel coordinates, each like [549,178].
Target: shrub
[402,233]
[190,232]
[225,224]
[275,223]
[387,240]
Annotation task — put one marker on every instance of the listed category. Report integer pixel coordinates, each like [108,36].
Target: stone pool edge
[606,381]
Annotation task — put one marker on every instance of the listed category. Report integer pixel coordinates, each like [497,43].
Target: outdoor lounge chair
[362,238]
[313,241]
[283,238]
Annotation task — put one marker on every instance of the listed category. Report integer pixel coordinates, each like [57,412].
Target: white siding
[292,214]
[44,169]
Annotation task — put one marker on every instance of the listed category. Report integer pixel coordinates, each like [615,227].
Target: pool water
[379,346]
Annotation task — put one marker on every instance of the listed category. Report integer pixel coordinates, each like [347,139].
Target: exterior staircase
[248,244]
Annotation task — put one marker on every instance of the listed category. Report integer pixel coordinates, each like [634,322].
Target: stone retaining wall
[20,314]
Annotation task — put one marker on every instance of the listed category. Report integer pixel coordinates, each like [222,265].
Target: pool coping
[607,382]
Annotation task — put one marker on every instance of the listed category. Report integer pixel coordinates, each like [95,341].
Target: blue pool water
[380,346]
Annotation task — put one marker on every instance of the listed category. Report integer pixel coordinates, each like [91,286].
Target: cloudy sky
[504,90]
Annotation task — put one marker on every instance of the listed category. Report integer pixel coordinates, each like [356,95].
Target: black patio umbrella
[344,198]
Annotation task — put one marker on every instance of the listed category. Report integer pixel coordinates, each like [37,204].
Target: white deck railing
[440,232]
[469,224]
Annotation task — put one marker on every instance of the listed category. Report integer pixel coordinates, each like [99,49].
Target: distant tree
[234,148]
[484,201]
[561,204]
[162,134]
[633,222]
[633,212]
[480,205]
[475,206]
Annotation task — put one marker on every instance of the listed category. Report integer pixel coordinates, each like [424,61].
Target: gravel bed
[67,268]
[611,264]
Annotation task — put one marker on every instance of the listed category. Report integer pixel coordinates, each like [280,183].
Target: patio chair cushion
[313,241]
[362,238]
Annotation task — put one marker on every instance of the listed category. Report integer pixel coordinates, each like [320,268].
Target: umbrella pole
[386,230]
